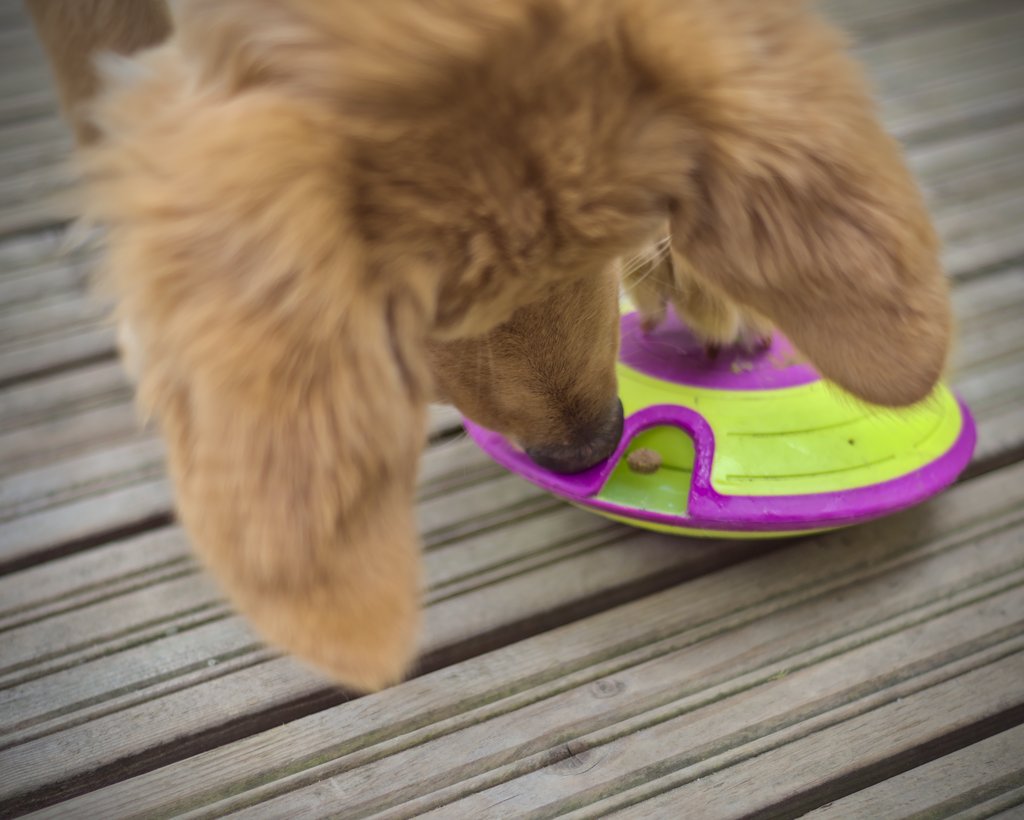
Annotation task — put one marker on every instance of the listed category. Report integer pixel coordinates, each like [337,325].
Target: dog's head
[322,213]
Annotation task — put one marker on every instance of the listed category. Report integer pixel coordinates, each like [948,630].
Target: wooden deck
[571,666]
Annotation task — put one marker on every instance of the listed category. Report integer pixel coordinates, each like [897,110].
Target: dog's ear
[805,211]
[285,372]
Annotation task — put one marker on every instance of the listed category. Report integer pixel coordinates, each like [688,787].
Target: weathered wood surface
[989,772]
[523,709]
[571,665]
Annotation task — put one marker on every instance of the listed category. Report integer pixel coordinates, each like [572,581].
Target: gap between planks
[827,589]
[985,772]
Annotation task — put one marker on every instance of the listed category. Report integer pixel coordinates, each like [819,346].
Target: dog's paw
[751,339]
[722,325]
[656,280]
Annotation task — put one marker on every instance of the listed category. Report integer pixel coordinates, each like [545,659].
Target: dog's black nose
[591,445]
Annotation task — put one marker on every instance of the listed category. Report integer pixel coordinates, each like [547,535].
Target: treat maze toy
[752,445]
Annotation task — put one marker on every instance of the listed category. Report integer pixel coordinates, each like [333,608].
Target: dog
[322,214]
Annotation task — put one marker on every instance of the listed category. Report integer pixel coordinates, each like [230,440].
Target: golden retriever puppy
[321,213]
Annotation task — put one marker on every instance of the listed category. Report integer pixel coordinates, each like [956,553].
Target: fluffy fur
[319,213]
[73,32]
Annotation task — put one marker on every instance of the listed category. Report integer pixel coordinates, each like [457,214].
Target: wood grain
[571,665]
[982,772]
[880,726]
[845,582]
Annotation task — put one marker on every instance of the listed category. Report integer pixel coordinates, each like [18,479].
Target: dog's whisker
[651,257]
[670,286]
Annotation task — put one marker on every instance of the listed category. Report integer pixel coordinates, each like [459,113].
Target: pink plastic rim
[671,353]
[710,510]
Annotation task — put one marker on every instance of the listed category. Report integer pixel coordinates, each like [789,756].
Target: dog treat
[643,460]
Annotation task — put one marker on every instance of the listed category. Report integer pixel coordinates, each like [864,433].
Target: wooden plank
[35,142]
[65,640]
[21,185]
[23,67]
[91,688]
[49,318]
[270,684]
[988,298]
[121,486]
[972,166]
[983,235]
[69,584]
[1002,437]
[24,62]
[170,599]
[49,355]
[667,692]
[87,577]
[53,209]
[956,106]
[976,349]
[1009,806]
[12,15]
[452,464]
[947,81]
[546,759]
[848,580]
[63,395]
[473,566]
[900,721]
[46,245]
[442,419]
[187,695]
[32,537]
[90,474]
[69,276]
[994,383]
[104,623]
[981,771]
[910,60]
[983,251]
[870,21]
[987,334]
[54,440]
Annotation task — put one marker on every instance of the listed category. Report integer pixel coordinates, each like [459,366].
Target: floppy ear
[806,212]
[286,374]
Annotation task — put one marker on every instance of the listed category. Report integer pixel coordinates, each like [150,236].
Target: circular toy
[751,445]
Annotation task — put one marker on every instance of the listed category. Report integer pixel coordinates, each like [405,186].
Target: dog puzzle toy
[751,445]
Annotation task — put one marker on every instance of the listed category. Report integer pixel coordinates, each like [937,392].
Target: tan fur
[75,31]
[664,278]
[321,212]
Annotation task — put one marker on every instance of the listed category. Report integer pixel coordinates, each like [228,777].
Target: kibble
[644,461]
